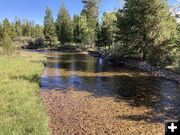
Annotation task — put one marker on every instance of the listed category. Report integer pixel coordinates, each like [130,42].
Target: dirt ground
[74,112]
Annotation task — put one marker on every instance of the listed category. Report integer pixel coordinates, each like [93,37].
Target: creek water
[87,73]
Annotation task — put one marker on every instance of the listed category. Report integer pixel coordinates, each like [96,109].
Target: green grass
[21,109]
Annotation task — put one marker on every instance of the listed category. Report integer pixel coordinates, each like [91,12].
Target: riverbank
[139,64]
[145,66]
[135,63]
[21,108]
[80,112]
[85,96]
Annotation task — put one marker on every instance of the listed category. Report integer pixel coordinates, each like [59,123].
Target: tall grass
[21,109]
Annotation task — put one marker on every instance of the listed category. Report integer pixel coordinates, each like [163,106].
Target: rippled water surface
[87,73]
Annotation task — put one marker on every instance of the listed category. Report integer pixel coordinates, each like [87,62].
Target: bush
[39,41]
[22,40]
[161,62]
[7,46]
[36,41]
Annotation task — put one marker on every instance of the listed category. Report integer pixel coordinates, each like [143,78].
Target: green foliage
[64,26]
[84,31]
[49,26]
[38,42]
[108,27]
[32,25]
[178,41]
[106,33]
[148,30]
[91,11]
[26,28]
[99,35]
[145,29]
[76,29]
[1,31]
[7,45]
[39,31]
[13,31]
[81,30]
[18,27]
[6,27]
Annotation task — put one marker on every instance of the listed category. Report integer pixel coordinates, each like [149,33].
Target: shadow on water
[86,73]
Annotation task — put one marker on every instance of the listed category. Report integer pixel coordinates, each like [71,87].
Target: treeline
[80,29]
[148,30]
[11,31]
[20,28]
[84,29]
[145,29]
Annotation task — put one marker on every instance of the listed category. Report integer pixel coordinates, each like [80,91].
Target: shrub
[39,41]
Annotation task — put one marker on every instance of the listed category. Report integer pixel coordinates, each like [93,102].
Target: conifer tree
[64,25]
[18,27]
[26,28]
[39,31]
[32,25]
[1,31]
[13,31]
[109,19]
[6,38]
[76,29]
[91,11]
[147,30]
[84,31]
[99,35]
[49,26]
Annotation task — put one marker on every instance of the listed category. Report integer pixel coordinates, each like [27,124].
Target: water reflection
[86,73]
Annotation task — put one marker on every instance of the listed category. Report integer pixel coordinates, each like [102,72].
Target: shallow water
[86,73]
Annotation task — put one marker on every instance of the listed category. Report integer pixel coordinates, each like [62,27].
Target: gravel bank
[75,112]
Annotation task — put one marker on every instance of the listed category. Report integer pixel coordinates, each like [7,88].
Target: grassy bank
[21,108]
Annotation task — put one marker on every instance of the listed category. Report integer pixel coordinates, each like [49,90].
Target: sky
[35,9]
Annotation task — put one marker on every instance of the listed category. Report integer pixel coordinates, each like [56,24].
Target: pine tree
[109,19]
[1,31]
[81,30]
[18,27]
[147,30]
[49,26]
[32,25]
[39,31]
[6,39]
[13,31]
[26,28]
[64,25]
[84,33]
[98,31]
[91,11]
[76,29]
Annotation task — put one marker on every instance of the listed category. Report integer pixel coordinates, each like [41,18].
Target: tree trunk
[91,45]
[113,43]
[144,55]
[50,42]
